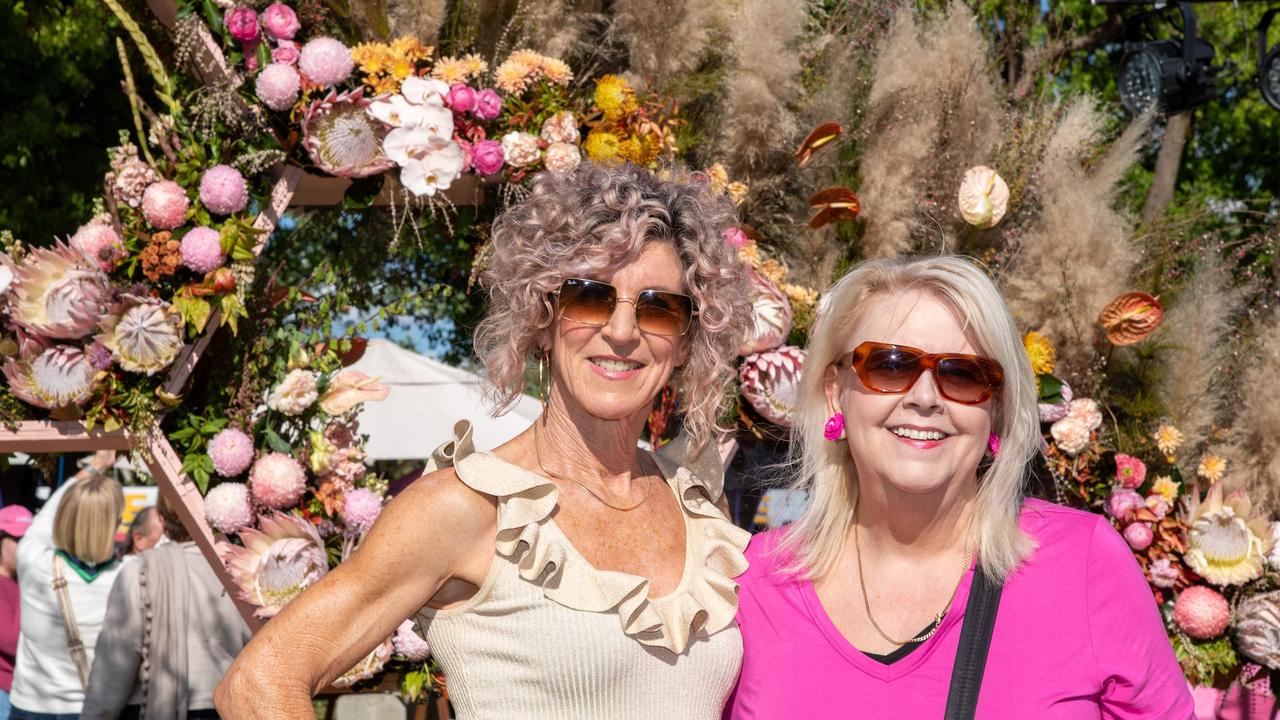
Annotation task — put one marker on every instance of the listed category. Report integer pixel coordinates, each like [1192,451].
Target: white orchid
[397,111]
[424,91]
[434,171]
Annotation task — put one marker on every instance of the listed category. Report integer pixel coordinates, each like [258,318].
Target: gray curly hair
[582,222]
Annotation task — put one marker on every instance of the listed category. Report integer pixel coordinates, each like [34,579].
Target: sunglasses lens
[586,301]
[663,313]
[965,380]
[890,369]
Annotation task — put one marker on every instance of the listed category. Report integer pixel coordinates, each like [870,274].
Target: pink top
[1077,635]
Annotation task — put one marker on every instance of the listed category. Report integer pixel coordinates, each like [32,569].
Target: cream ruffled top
[550,636]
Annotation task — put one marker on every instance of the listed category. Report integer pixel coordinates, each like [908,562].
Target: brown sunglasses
[893,369]
[592,302]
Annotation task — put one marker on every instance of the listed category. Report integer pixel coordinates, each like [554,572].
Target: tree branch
[1034,59]
[1176,131]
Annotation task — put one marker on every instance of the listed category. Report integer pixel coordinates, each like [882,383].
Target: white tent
[427,397]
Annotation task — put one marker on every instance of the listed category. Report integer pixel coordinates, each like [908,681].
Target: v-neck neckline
[904,666]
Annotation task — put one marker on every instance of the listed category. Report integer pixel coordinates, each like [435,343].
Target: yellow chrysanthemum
[601,146]
[1212,468]
[1168,439]
[512,77]
[475,65]
[383,85]
[1040,352]
[750,254]
[773,271]
[556,71]
[719,177]
[639,149]
[802,298]
[738,192]
[402,68]
[450,71]
[614,96]
[1165,487]
[408,47]
[371,58]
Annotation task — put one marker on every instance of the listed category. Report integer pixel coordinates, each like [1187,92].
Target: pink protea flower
[242,23]
[342,138]
[285,52]
[368,667]
[1139,535]
[223,190]
[165,204]
[231,451]
[486,157]
[59,376]
[325,61]
[1122,504]
[360,508]
[278,86]
[277,480]
[1130,471]
[410,644]
[562,157]
[57,292]
[201,250]
[279,560]
[1201,612]
[227,507]
[143,334]
[488,104]
[770,382]
[280,21]
[771,316]
[461,98]
[101,243]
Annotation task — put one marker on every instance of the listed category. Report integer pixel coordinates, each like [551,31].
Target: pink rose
[488,104]
[242,23]
[735,238]
[461,98]
[487,157]
[1122,504]
[1139,536]
[1130,471]
[286,51]
[280,20]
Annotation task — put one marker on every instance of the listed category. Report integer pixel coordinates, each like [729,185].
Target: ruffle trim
[704,602]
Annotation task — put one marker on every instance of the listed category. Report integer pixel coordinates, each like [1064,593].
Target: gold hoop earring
[543,391]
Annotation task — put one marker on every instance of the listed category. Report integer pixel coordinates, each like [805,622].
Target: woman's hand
[437,530]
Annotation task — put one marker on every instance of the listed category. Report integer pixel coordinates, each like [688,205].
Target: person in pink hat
[14,521]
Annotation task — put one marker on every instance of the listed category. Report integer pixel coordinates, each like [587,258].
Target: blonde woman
[920,583]
[71,539]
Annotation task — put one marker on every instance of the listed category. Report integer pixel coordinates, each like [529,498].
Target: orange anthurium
[1131,317]
[834,203]
[821,135]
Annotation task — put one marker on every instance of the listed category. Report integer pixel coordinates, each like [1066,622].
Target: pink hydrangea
[242,23]
[101,243]
[488,104]
[325,61]
[227,507]
[1122,503]
[487,157]
[278,481]
[223,190]
[1130,471]
[285,52]
[1139,535]
[201,250]
[1201,612]
[164,205]
[280,21]
[231,451]
[1163,573]
[278,85]
[360,508]
[410,644]
[461,98]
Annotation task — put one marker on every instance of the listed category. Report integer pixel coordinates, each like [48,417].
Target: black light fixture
[1268,78]
[1175,74]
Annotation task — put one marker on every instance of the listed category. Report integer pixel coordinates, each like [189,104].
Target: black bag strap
[975,641]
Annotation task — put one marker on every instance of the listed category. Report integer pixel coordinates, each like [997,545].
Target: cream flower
[1165,487]
[562,157]
[348,389]
[983,197]
[520,148]
[1087,411]
[1226,546]
[1212,468]
[295,394]
[434,171]
[1168,439]
[561,128]
[143,334]
[1071,435]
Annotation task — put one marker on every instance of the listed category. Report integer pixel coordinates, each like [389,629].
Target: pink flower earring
[834,429]
[993,444]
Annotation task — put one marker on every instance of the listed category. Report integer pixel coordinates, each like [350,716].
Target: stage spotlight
[1176,74]
[1268,63]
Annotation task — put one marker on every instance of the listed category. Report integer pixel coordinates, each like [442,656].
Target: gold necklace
[937,619]
[537,452]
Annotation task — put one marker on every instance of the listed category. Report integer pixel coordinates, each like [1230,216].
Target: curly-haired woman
[566,574]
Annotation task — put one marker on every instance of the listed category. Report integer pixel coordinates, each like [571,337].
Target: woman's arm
[118,654]
[436,530]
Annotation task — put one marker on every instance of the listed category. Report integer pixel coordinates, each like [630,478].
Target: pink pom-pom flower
[201,250]
[231,451]
[278,481]
[278,85]
[360,508]
[325,61]
[164,205]
[1139,535]
[99,242]
[227,507]
[410,644]
[1201,612]
[223,190]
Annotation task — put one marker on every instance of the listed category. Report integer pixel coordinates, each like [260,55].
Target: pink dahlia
[486,157]
[165,204]
[410,644]
[285,52]
[223,190]
[278,481]
[1139,535]
[1123,503]
[278,85]
[99,242]
[227,507]
[461,98]
[325,61]
[360,508]
[201,250]
[279,560]
[280,21]
[1201,612]
[488,104]
[231,451]
[1130,471]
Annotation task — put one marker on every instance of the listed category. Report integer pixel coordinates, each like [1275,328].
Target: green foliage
[191,438]
[1202,660]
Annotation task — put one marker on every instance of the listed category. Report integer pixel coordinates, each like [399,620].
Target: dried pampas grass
[665,38]
[419,18]
[1076,257]
[1253,452]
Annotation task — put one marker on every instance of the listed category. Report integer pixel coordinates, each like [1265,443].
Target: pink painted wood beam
[54,436]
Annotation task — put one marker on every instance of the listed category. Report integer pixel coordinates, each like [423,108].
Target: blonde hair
[85,524]
[826,470]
